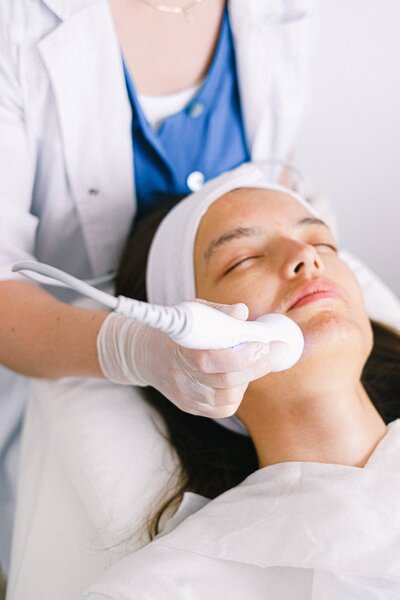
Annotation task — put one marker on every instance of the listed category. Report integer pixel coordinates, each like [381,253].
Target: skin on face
[264,248]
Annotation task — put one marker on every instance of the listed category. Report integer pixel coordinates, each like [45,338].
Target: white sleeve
[17,166]
[381,303]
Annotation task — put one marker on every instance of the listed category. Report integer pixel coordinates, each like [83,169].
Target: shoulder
[22,21]
[260,13]
[153,571]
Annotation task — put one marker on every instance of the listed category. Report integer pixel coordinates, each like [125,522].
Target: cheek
[254,290]
[357,306]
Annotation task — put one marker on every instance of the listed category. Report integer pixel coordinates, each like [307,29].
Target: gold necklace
[176,10]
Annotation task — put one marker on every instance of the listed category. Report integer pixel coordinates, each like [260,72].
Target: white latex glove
[210,383]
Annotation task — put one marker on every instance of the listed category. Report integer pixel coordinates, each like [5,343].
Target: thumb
[238,311]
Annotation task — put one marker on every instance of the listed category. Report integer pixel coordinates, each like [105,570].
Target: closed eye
[240,262]
[324,245]
[247,258]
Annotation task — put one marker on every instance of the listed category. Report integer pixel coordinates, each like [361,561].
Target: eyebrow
[242,232]
[229,236]
[310,221]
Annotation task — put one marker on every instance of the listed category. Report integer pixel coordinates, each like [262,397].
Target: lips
[312,291]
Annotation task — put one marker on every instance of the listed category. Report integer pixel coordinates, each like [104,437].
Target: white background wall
[350,142]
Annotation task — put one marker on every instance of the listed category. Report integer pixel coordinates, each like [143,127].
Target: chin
[337,345]
[337,338]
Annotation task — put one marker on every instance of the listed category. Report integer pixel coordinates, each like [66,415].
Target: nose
[301,260]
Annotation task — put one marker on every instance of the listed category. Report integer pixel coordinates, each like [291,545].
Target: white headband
[170,276]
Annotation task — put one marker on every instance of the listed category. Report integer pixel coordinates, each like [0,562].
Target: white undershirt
[158,108]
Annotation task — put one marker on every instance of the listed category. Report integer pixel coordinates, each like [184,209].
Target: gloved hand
[209,383]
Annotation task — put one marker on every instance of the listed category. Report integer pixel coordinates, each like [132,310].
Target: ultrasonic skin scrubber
[189,324]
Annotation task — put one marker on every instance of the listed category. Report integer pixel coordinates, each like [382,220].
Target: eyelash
[331,246]
[239,263]
[233,267]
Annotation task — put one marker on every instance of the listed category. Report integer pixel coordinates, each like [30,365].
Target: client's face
[264,248]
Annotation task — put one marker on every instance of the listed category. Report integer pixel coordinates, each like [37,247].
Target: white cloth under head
[170,276]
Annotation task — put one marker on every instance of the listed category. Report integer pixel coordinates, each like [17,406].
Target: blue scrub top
[196,144]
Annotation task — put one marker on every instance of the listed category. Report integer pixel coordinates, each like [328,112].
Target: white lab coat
[66,170]
[66,167]
[290,531]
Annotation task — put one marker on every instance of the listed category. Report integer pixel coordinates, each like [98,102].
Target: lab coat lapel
[65,8]
[306,515]
[84,64]
[272,78]
[254,68]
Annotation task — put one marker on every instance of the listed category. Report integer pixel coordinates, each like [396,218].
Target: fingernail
[241,310]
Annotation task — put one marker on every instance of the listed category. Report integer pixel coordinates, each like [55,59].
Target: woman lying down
[297,497]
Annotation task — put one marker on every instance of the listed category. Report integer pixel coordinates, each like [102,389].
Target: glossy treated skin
[264,248]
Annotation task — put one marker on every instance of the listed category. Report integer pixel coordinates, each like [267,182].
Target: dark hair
[212,458]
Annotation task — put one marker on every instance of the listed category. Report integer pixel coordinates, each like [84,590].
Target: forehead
[251,206]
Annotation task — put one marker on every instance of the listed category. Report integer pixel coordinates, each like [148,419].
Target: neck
[340,427]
